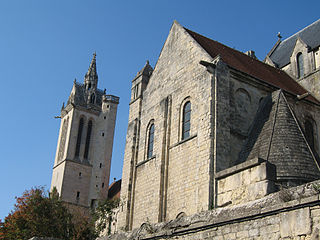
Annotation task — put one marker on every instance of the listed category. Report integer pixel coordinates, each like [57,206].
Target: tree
[36,214]
[103,215]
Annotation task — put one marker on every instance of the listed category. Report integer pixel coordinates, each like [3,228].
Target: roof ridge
[237,51]
[233,49]
[303,29]
[240,61]
[273,125]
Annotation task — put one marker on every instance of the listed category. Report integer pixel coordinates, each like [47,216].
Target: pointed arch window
[309,132]
[300,65]
[78,144]
[86,149]
[186,120]
[150,141]
[63,139]
[92,98]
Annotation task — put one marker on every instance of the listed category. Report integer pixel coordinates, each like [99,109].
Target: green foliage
[103,215]
[36,214]
[316,187]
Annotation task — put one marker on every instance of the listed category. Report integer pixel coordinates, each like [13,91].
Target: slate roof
[276,137]
[309,35]
[251,66]
[80,96]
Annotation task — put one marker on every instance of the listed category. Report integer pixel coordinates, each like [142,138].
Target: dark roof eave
[276,87]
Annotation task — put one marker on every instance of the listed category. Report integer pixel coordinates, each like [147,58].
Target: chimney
[251,53]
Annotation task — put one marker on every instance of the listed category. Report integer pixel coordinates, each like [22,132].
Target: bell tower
[83,158]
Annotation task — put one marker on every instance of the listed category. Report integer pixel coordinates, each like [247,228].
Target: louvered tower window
[92,98]
[79,137]
[86,150]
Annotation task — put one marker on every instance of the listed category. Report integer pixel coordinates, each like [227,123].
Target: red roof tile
[251,66]
[114,190]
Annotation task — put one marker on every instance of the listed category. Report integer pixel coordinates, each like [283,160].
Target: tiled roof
[276,137]
[309,35]
[251,66]
[114,190]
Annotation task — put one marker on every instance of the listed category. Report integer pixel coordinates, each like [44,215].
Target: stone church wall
[288,214]
[245,97]
[176,178]
[245,182]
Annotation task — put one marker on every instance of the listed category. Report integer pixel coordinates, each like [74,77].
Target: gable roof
[277,137]
[251,66]
[309,35]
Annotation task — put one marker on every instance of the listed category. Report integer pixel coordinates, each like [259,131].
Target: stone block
[296,222]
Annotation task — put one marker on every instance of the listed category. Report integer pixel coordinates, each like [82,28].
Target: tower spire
[91,77]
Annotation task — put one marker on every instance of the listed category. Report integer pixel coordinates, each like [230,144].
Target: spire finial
[279,35]
[91,77]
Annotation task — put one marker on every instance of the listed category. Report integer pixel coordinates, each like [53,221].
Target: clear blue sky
[44,45]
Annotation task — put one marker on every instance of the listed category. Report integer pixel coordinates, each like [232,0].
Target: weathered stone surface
[225,88]
[297,222]
[296,219]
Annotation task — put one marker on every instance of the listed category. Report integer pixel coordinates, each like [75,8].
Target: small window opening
[300,65]
[96,185]
[104,117]
[89,86]
[78,195]
[100,165]
[102,184]
[108,106]
[102,134]
[79,174]
[93,203]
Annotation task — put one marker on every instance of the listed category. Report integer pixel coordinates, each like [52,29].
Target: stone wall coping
[240,167]
[302,196]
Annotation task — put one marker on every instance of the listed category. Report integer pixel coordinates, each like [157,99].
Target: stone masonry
[288,214]
[83,159]
[231,95]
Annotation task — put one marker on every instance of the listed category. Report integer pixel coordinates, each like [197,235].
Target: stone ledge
[240,167]
[145,161]
[183,141]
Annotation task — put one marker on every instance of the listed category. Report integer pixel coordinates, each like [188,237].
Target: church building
[210,126]
[82,164]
